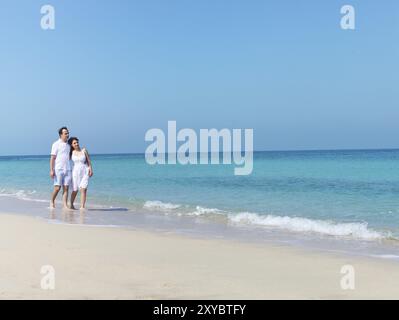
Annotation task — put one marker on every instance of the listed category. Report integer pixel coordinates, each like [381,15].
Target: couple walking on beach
[70,166]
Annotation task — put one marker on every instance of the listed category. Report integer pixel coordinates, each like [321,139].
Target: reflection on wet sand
[78,216]
[69,216]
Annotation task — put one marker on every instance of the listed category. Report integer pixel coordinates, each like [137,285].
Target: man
[60,167]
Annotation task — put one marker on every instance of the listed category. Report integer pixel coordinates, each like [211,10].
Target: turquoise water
[350,194]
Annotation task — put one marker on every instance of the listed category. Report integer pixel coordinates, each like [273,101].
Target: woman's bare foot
[52,205]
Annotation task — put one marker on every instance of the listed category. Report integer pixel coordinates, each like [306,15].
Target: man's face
[64,135]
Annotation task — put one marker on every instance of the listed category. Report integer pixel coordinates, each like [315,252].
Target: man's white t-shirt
[61,151]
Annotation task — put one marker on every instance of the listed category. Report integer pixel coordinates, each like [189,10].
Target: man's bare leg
[65,196]
[54,196]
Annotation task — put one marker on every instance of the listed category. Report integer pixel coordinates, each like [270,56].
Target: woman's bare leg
[83,197]
[73,197]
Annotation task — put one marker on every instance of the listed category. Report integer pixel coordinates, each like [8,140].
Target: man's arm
[52,162]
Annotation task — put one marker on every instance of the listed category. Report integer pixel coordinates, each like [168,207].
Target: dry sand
[112,263]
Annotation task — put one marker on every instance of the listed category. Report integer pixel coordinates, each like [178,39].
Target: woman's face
[75,145]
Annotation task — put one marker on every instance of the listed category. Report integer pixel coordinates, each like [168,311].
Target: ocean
[343,200]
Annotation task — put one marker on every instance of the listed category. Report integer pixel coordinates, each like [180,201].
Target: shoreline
[201,227]
[116,263]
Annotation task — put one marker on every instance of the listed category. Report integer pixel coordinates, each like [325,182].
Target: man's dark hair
[62,129]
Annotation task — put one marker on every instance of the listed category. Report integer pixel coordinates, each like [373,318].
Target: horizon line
[255,151]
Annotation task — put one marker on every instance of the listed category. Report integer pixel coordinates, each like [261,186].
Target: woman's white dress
[80,171]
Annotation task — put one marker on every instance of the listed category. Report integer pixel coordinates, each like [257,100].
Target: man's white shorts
[63,178]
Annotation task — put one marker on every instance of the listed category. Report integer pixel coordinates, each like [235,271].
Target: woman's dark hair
[70,141]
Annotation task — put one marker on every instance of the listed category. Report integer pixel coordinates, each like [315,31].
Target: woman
[81,172]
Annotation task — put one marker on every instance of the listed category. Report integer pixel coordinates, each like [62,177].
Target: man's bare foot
[72,207]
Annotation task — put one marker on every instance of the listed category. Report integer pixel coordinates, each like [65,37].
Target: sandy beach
[112,263]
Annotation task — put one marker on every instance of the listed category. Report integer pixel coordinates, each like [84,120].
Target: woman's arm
[89,162]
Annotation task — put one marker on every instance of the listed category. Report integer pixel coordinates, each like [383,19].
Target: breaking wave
[354,230]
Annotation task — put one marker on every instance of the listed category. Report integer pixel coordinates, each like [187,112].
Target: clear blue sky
[113,69]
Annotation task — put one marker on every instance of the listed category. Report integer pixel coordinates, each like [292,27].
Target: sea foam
[163,206]
[357,230]
[22,195]
[352,230]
